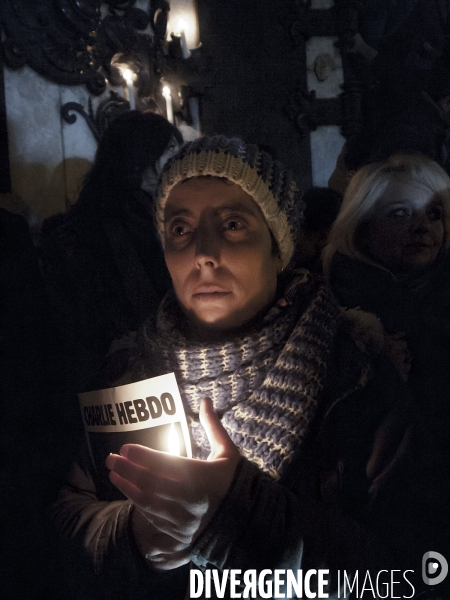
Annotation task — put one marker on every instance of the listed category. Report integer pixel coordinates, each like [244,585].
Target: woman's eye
[400,213]
[179,229]
[233,225]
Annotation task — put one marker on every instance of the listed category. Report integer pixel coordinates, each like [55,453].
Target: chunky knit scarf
[265,385]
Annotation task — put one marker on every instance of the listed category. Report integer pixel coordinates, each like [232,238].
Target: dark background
[258,67]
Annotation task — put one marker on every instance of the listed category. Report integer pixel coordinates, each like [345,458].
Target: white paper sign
[148,412]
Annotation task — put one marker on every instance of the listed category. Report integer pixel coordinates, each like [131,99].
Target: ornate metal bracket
[308,112]
[107,111]
[301,110]
[70,42]
[304,108]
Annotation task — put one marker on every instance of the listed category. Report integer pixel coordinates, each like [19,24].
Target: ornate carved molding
[98,121]
[72,42]
[308,112]
[304,108]
[69,43]
[55,39]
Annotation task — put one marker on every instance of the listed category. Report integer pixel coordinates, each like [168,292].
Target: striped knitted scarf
[265,385]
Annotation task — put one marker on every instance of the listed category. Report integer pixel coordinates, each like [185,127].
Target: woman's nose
[207,250]
[421,222]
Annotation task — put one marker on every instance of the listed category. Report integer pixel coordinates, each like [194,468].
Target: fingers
[178,495]
[162,551]
[154,460]
[136,474]
[179,535]
[161,485]
[177,518]
[128,489]
[164,544]
[167,562]
[149,497]
[152,470]
[221,444]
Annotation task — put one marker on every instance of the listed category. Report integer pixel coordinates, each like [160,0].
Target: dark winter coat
[361,494]
[417,304]
[105,276]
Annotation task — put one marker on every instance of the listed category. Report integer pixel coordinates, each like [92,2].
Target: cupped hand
[174,497]
[161,551]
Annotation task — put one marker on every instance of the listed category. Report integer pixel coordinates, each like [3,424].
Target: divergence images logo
[434,568]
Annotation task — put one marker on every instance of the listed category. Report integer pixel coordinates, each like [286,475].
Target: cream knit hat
[269,184]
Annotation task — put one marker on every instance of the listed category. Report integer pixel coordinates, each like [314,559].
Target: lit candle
[168,97]
[128,76]
[173,441]
[182,31]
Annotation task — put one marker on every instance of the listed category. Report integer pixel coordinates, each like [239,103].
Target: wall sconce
[190,72]
[126,47]
[185,25]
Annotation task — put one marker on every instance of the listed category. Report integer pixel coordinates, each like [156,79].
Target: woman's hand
[397,349]
[161,551]
[174,497]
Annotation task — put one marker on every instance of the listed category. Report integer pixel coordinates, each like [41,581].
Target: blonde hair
[366,188]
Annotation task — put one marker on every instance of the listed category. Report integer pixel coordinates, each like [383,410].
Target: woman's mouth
[210,296]
[208,293]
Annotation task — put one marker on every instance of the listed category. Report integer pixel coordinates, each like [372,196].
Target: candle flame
[127,74]
[181,25]
[166,92]
[173,441]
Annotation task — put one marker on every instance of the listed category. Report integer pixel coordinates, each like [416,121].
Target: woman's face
[407,230]
[218,250]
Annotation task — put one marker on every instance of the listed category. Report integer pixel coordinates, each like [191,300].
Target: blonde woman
[388,254]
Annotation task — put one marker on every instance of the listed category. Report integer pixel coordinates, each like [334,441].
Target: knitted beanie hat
[268,183]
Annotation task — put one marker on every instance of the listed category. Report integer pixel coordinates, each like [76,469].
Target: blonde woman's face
[407,229]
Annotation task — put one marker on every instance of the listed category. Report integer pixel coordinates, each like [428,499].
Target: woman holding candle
[302,448]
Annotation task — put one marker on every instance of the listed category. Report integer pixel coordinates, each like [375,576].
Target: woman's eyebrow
[238,207]
[170,213]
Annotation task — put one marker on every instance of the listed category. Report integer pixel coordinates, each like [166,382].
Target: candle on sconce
[128,76]
[185,53]
[173,441]
[169,108]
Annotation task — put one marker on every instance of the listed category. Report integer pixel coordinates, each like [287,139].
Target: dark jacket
[362,494]
[38,439]
[105,275]
[417,304]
